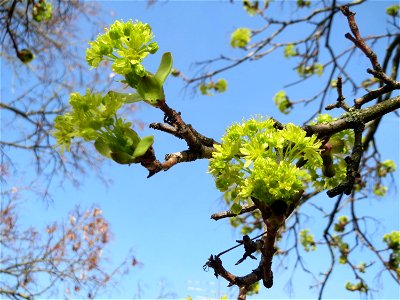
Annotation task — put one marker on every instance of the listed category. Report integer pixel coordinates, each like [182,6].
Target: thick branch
[352,119]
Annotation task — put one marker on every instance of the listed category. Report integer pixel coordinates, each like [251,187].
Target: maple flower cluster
[255,159]
[125,44]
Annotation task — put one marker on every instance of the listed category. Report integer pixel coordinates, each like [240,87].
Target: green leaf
[127,98]
[150,88]
[143,146]
[165,67]
[236,208]
[133,97]
[122,158]
[102,148]
[133,136]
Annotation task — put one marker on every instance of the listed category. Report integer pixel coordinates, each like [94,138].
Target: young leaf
[133,136]
[122,158]
[143,146]
[150,88]
[133,97]
[165,67]
[102,148]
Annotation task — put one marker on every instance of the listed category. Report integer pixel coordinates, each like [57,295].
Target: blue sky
[166,219]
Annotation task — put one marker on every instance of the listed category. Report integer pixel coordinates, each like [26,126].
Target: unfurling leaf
[133,97]
[165,67]
[102,147]
[142,147]
[150,89]
[122,158]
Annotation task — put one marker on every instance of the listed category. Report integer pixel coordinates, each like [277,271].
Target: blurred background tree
[41,41]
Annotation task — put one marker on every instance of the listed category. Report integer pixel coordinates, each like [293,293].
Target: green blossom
[341,224]
[302,3]
[393,10]
[251,7]
[220,86]
[240,37]
[282,101]
[91,114]
[125,44]
[392,240]
[385,167]
[258,160]
[307,240]
[309,70]
[359,286]
[290,50]
[42,11]
[94,118]
[380,190]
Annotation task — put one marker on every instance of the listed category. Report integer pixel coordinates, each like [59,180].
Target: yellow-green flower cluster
[125,44]
[258,160]
[42,10]
[92,116]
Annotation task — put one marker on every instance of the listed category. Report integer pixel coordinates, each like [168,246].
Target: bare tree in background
[46,56]
[41,44]
[66,258]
